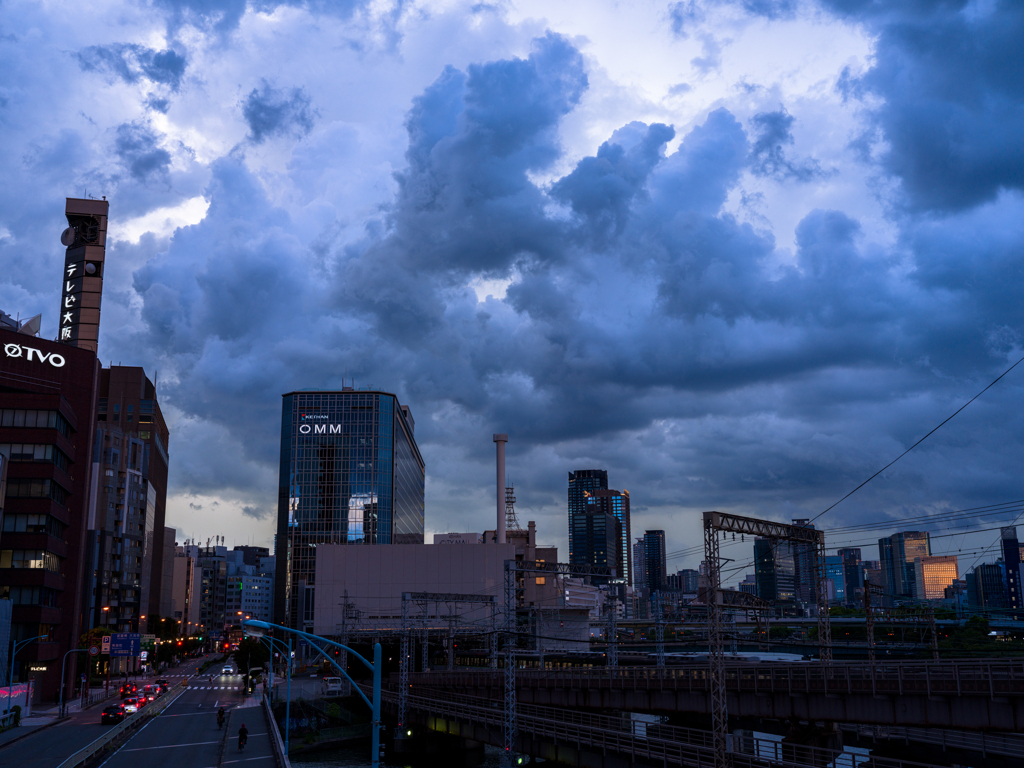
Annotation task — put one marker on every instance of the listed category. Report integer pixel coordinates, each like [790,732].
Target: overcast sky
[741,254]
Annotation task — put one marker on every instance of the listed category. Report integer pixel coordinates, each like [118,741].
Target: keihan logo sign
[15,350]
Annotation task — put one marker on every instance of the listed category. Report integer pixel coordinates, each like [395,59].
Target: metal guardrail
[1005,744]
[275,735]
[930,678]
[653,741]
[135,719]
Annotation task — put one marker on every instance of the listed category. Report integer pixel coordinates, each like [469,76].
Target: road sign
[105,645]
[124,644]
[94,651]
[143,655]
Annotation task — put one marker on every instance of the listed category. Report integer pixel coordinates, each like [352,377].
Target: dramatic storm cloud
[740,254]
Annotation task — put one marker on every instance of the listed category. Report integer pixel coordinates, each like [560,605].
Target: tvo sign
[16,350]
[320,429]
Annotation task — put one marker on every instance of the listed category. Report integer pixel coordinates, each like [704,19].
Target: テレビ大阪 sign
[124,644]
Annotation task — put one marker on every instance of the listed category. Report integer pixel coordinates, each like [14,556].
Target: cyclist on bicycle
[243,736]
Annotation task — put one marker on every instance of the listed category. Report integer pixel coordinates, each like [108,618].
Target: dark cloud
[951,85]
[602,188]
[685,15]
[645,328]
[196,507]
[223,15]
[272,112]
[768,156]
[137,147]
[257,513]
[131,63]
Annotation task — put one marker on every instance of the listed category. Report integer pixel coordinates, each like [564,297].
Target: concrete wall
[376,576]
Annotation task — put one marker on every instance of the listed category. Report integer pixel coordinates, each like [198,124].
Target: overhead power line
[932,432]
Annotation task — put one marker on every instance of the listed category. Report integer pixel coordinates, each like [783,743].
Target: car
[150,692]
[162,686]
[131,704]
[227,671]
[115,713]
[129,689]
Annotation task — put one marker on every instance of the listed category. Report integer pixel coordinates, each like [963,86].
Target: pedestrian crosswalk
[214,688]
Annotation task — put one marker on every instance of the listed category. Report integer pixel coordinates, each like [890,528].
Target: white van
[332,686]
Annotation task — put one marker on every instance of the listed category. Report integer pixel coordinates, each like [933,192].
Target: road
[48,747]
[186,733]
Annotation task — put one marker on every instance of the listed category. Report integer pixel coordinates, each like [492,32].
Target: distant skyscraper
[1011,563]
[598,536]
[689,579]
[852,575]
[834,573]
[933,575]
[639,565]
[897,553]
[581,482]
[615,503]
[775,570]
[654,560]
[351,473]
[986,588]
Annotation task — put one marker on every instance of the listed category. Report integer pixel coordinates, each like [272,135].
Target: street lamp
[375,668]
[60,708]
[10,678]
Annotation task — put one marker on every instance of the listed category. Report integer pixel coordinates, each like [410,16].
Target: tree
[251,654]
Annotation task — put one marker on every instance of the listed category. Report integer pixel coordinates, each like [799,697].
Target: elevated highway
[966,695]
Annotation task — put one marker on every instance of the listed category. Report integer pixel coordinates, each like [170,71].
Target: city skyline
[737,281]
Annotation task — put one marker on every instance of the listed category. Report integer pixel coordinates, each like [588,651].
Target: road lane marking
[247,759]
[171,746]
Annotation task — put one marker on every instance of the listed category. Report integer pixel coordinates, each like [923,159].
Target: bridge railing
[930,678]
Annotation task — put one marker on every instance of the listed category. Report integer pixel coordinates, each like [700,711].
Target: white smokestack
[500,440]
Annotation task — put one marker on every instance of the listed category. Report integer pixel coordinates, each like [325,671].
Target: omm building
[351,473]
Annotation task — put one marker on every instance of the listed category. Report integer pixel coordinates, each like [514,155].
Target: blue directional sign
[125,644]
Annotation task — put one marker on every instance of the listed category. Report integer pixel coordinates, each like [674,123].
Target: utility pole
[659,629]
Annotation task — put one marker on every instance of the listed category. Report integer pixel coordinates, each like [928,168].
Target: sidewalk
[44,715]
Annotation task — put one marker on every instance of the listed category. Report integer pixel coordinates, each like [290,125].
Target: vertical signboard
[82,286]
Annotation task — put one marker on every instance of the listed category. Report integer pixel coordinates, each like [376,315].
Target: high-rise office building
[1011,566]
[47,421]
[986,588]
[853,575]
[582,482]
[897,553]
[639,565]
[933,575]
[775,570]
[655,570]
[125,538]
[836,576]
[351,473]
[805,567]
[599,502]
[598,537]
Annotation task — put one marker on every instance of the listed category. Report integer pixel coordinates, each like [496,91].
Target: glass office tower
[351,473]
[897,553]
[581,482]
